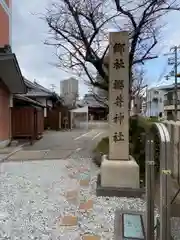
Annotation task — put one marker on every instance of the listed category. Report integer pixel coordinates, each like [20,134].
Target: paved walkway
[60,145]
[55,199]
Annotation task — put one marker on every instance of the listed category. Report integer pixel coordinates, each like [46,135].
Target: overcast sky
[29,33]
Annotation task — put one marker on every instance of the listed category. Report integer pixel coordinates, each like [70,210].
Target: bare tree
[100,98]
[138,81]
[79,31]
[138,86]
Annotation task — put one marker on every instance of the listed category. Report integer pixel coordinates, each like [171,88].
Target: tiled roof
[89,100]
[36,86]
[37,94]
[38,90]
[166,87]
[26,99]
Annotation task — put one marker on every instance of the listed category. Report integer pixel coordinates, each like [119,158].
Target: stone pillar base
[119,178]
[119,174]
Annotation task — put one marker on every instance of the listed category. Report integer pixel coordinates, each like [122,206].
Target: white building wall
[154,108]
[45,103]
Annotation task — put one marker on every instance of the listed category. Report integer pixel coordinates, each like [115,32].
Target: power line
[163,72]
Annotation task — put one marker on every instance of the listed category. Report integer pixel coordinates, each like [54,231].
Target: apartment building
[154,103]
[69,90]
[160,102]
[169,102]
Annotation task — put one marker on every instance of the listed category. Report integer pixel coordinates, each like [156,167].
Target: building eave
[10,73]
[29,100]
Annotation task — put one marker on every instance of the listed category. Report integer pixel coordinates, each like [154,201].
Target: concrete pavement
[34,202]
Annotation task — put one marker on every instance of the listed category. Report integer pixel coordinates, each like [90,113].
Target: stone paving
[26,155]
[56,200]
[5,153]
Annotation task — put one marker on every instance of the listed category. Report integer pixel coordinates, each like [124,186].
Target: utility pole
[150,102]
[146,112]
[175,82]
[174,61]
[52,87]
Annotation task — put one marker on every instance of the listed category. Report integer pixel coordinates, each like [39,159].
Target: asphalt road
[57,144]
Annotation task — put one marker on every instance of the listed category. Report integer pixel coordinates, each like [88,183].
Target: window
[170,96]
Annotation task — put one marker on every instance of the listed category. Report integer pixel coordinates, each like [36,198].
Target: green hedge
[139,127]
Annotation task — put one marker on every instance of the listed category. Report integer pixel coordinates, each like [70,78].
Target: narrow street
[48,191]
[61,145]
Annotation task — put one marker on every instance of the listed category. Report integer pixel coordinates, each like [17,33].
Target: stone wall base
[4,143]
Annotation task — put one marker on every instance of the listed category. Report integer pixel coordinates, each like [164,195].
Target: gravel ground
[33,201]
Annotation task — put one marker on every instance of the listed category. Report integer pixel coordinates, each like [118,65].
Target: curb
[13,152]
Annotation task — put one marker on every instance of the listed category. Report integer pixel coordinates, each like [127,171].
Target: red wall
[4,27]
[4,113]
[4,93]
[8,2]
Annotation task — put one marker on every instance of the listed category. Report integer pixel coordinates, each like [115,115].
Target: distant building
[41,94]
[154,103]
[160,102]
[69,90]
[169,102]
[96,109]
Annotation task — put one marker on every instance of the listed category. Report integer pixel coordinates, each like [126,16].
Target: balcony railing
[170,102]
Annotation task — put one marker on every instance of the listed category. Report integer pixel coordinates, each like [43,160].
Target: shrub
[101,149]
[139,127]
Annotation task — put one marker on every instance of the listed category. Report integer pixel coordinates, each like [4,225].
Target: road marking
[97,135]
[78,149]
[83,135]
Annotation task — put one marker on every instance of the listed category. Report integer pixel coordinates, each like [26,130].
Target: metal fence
[174,131]
[165,179]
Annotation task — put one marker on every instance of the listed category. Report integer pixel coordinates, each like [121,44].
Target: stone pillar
[119,169]
[118,97]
